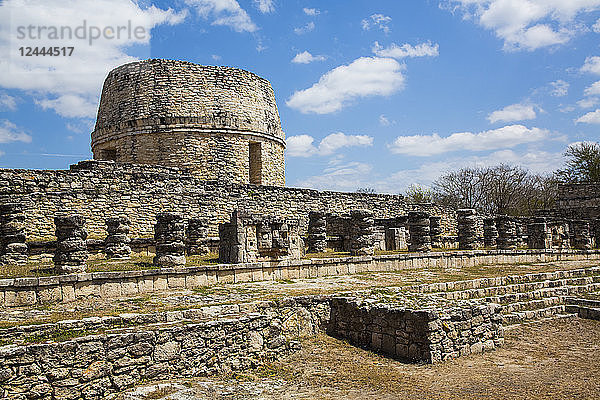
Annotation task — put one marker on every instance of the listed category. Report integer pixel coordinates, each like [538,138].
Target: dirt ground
[557,359]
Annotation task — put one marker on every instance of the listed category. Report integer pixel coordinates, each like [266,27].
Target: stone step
[519,288]
[532,304]
[502,280]
[536,321]
[543,293]
[522,316]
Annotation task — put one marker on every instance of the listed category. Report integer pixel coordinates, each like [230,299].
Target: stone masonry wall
[102,189]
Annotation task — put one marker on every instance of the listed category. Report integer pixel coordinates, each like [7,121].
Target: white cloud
[302,145]
[7,102]
[379,21]
[406,50]
[528,24]
[82,74]
[588,102]
[590,118]
[596,27]
[309,27]
[366,76]
[10,133]
[384,121]
[265,6]
[560,88]
[593,90]
[311,11]
[216,57]
[69,106]
[306,58]
[224,13]
[501,138]
[591,65]
[347,176]
[512,113]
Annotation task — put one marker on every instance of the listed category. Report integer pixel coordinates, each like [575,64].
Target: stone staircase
[525,298]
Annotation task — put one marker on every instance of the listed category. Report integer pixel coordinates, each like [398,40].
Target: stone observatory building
[219,123]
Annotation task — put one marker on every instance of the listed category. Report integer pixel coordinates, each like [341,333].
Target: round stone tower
[218,122]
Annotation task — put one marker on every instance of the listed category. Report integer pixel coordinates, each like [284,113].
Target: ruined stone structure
[490,232]
[539,235]
[117,241]
[435,231]
[13,249]
[71,248]
[317,232]
[467,229]
[197,233]
[218,122]
[251,238]
[507,233]
[581,238]
[419,231]
[362,227]
[169,234]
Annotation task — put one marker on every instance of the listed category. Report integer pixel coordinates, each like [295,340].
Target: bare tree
[418,194]
[459,189]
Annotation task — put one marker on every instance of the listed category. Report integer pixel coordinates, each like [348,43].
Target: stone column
[169,233]
[490,233]
[363,240]
[71,247]
[117,241]
[13,249]
[597,232]
[419,231]
[197,236]
[435,231]
[581,235]
[467,229]
[317,232]
[507,233]
[539,236]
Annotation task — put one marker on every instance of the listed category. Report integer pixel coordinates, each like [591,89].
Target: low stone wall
[584,308]
[428,335]
[66,288]
[92,367]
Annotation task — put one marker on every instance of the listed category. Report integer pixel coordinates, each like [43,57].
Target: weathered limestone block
[490,233]
[581,239]
[507,233]
[317,232]
[71,247]
[395,239]
[435,231]
[521,229]
[197,236]
[419,231]
[597,232]
[363,239]
[539,235]
[561,234]
[233,240]
[467,229]
[13,249]
[117,241]
[169,233]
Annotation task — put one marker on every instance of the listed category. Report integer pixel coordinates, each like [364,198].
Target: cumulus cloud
[528,24]
[406,50]
[341,176]
[512,113]
[588,102]
[311,11]
[306,58]
[560,88]
[265,6]
[378,21]
[592,90]
[77,78]
[302,145]
[366,76]
[596,27]
[9,132]
[501,138]
[590,118]
[309,27]
[591,65]
[7,102]
[224,13]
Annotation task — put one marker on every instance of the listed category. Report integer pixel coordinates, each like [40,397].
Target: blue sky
[376,94]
